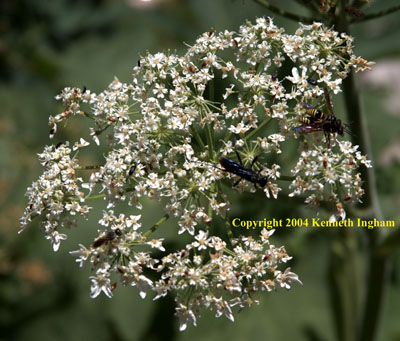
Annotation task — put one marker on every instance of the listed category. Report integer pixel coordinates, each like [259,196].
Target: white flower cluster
[56,195]
[166,133]
[325,174]
[226,279]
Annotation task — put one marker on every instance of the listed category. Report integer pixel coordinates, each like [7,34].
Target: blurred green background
[47,45]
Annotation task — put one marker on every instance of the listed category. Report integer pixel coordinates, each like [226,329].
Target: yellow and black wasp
[315,120]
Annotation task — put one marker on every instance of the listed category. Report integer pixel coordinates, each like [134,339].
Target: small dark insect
[355,12]
[84,89]
[312,81]
[59,144]
[274,76]
[325,162]
[52,131]
[108,237]
[138,62]
[244,173]
[131,170]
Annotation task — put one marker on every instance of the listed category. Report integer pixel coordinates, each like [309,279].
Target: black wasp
[244,173]
[111,235]
[316,120]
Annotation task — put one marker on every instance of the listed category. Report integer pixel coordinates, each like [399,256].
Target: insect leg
[237,182]
[306,105]
[328,138]
[328,102]
[254,160]
[239,158]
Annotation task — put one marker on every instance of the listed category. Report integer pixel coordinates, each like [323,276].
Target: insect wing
[347,130]
[98,242]
[306,105]
[308,129]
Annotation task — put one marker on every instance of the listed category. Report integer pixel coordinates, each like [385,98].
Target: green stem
[94,197]
[211,96]
[375,15]
[286,178]
[309,5]
[283,13]
[255,131]
[230,252]
[156,225]
[88,167]
[229,229]
[209,139]
[197,137]
[228,136]
[100,131]
[361,138]
[377,273]
[391,241]
[99,196]
[211,90]
[344,283]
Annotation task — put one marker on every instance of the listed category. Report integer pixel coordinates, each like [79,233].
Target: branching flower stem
[378,264]
[92,198]
[229,229]
[197,137]
[286,178]
[375,15]
[209,135]
[156,226]
[257,130]
[88,167]
[283,13]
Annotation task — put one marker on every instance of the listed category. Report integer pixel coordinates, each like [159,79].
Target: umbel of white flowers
[166,133]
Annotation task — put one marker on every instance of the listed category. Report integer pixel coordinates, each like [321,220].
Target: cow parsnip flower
[165,133]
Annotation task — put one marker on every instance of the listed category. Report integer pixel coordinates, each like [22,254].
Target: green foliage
[48,46]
